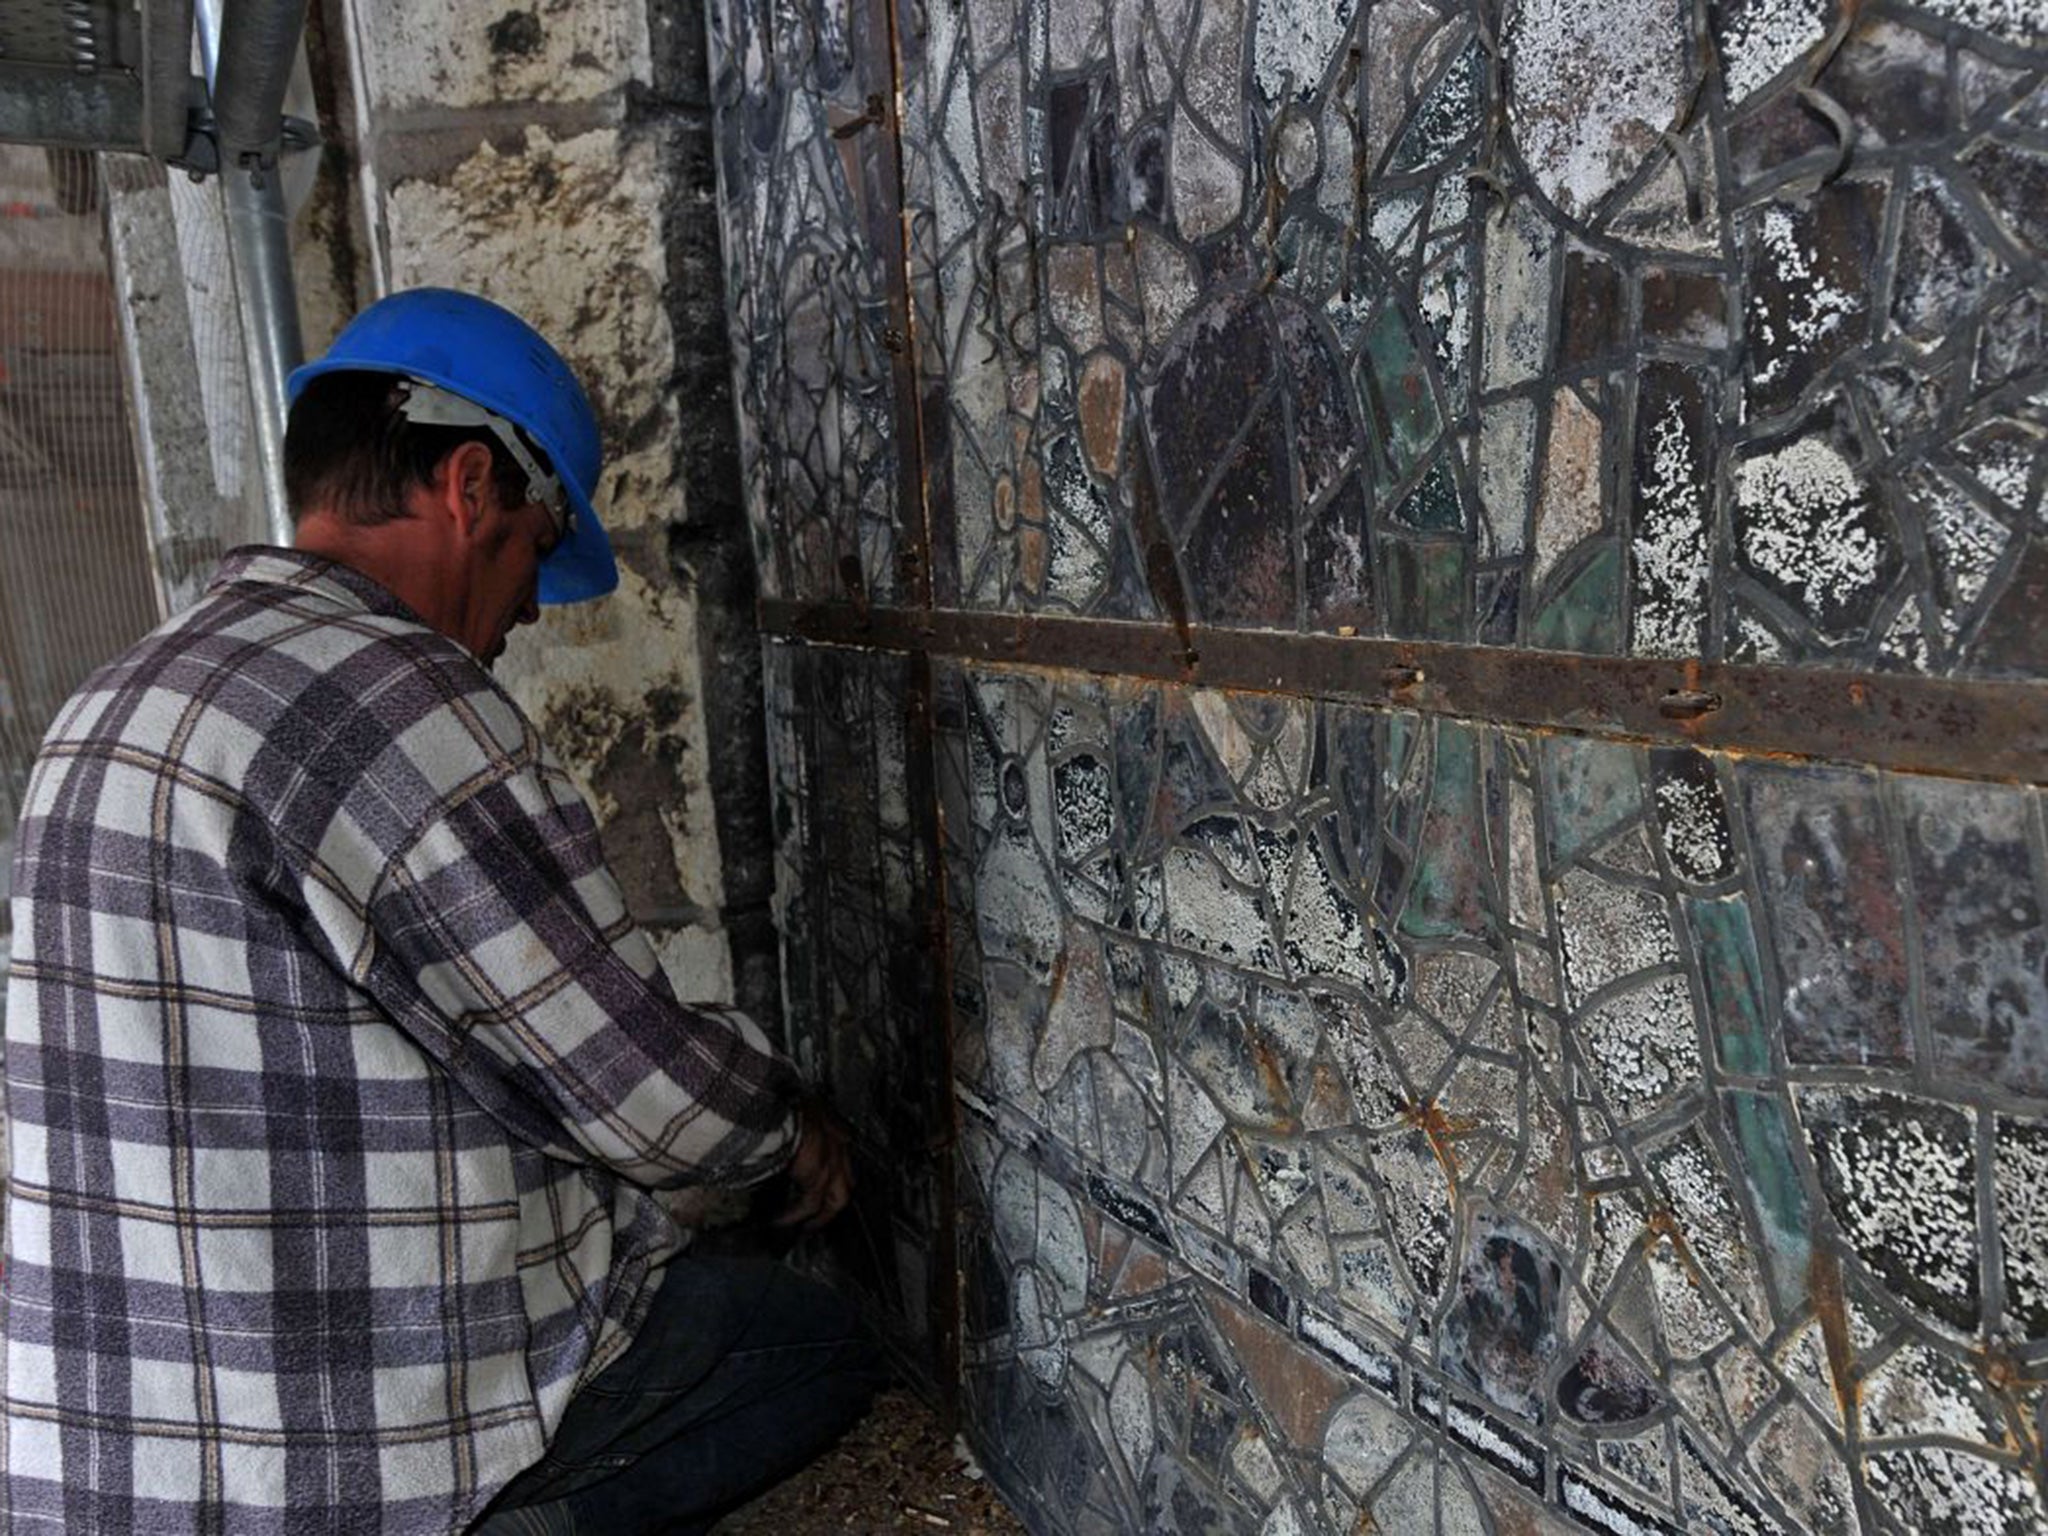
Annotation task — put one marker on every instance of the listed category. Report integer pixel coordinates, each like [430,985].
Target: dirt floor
[896,1470]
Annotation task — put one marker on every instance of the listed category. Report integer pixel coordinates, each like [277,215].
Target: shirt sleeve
[500,942]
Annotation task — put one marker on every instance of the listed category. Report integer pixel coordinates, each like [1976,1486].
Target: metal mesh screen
[75,583]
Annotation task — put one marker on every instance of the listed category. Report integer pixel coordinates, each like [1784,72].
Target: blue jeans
[742,1373]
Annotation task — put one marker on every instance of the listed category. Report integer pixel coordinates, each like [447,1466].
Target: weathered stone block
[498,53]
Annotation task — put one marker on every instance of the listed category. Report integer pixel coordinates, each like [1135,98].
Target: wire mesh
[75,582]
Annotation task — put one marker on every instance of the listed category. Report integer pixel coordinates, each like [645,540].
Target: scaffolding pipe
[248,47]
[257,43]
[259,250]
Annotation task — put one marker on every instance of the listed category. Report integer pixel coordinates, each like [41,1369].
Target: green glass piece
[1407,789]
[1425,587]
[1726,943]
[1397,359]
[1400,738]
[1764,1144]
[1444,606]
[1590,790]
[1434,506]
[1447,898]
[1586,616]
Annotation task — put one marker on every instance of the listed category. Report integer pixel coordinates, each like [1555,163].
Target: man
[339,1078]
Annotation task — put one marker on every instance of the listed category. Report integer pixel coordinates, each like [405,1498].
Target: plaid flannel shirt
[337,1076]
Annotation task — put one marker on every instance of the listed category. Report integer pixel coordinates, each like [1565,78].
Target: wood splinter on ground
[896,1470]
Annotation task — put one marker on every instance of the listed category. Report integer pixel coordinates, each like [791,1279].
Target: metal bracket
[201,156]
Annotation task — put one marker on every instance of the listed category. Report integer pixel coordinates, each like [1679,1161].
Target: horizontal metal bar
[1964,728]
[40,104]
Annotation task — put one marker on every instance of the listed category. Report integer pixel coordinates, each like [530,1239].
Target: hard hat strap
[429,405]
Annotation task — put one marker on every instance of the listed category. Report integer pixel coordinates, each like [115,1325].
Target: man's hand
[821,1173]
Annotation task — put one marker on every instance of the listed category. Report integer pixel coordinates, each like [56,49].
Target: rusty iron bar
[1961,728]
[887,63]
[878,51]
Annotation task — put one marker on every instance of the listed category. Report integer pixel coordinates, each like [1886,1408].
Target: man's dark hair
[348,450]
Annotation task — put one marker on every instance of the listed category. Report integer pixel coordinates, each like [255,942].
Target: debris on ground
[896,1470]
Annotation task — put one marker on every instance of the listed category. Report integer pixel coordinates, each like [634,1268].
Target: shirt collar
[271,565]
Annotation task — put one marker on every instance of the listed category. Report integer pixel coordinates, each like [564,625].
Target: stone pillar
[556,159]
[188,388]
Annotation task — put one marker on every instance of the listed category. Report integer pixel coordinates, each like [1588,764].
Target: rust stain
[1297,1389]
[1162,574]
[1662,1225]
[851,162]
[1076,291]
[1032,506]
[1824,1282]
[1440,1128]
[1032,558]
[1144,1271]
[2001,1372]
[2008,1379]
[1326,1096]
[1553,1180]
[1059,978]
[1512,1517]
[1273,1078]
[1093,1235]
[1102,413]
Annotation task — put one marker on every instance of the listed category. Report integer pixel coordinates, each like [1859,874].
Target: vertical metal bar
[259,239]
[921,790]
[206,19]
[166,75]
[258,40]
[884,32]
[259,249]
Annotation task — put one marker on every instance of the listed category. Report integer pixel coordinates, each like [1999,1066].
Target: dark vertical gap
[333,215]
[913,505]
[922,792]
[709,550]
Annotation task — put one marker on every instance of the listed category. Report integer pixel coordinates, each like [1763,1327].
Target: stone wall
[1430,1084]
[553,157]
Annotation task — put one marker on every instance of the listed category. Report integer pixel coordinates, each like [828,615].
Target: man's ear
[464,485]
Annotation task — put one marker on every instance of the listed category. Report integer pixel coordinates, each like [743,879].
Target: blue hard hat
[486,354]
